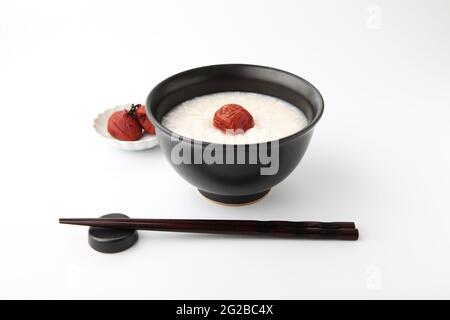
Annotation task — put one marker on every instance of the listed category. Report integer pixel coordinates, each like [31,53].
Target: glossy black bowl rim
[305,130]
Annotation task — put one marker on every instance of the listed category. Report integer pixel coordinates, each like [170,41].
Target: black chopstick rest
[108,240]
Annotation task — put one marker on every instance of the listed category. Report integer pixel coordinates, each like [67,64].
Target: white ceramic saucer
[147,141]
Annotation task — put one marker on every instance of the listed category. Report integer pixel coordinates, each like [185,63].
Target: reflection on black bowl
[231,182]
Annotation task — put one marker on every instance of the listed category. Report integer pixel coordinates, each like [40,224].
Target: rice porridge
[273,118]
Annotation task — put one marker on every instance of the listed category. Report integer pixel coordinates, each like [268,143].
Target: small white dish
[147,141]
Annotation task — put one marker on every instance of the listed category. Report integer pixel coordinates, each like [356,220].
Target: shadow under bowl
[231,181]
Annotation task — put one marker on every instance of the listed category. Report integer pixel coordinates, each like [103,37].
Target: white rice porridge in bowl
[273,118]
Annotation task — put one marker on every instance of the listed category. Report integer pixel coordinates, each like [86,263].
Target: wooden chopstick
[303,224]
[291,229]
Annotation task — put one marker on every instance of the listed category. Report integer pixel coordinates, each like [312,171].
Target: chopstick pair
[279,229]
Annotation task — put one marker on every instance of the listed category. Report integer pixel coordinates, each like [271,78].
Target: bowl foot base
[234,200]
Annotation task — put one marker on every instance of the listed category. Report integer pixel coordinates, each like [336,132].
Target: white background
[380,155]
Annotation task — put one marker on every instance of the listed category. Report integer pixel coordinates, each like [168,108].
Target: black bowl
[229,181]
